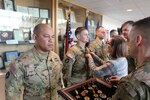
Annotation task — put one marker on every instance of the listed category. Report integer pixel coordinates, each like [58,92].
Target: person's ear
[139,40]
[78,36]
[34,36]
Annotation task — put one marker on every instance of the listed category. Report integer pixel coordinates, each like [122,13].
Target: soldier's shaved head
[140,39]
[40,28]
[142,27]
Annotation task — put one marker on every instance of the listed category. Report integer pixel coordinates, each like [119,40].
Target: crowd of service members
[123,60]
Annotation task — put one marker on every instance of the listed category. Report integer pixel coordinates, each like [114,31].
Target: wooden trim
[54,23]
[72,2]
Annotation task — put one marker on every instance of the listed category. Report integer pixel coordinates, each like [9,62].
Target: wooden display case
[14,15]
[92,89]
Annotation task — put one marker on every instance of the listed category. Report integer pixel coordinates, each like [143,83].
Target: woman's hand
[88,55]
[92,53]
[114,80]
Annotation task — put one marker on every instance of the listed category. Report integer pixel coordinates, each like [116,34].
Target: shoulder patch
[12,68]
[129,89]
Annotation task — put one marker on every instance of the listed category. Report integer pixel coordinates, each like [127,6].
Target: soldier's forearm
[91,63]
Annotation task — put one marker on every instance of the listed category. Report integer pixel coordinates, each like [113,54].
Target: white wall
[110,23]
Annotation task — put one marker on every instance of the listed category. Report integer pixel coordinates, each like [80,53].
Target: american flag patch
[12,68]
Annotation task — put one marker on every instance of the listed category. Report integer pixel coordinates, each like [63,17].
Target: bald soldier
[75,66]
[38,70]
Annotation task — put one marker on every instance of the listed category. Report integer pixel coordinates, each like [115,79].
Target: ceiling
[116,9]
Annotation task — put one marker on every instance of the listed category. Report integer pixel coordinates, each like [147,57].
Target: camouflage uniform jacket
[39,73]
[136,86]
[75,67]
[100,49]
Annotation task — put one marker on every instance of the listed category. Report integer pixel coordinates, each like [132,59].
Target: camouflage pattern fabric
[39,73]
[100,49]
[131,64]
[75,67]
[136,85]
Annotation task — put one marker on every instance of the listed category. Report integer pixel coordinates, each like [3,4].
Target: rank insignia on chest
[67,60]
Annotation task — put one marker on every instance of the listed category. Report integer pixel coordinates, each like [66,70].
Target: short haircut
[113,32]
[130,22]
[99,28]
[38,28]
[143,27]
[120,47]
[79,30]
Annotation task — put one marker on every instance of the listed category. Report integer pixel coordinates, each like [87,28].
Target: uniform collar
[146,61]
[83,49]
[99,41]
[40,55]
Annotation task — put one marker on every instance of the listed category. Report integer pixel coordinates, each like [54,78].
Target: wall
[110,23]
[34,3]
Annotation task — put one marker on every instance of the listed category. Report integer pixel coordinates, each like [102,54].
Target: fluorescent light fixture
[129,10]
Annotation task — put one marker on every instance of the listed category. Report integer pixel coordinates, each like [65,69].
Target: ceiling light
[129,10]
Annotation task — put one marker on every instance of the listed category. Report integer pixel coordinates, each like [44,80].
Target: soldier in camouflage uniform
[136,86]
[98,46]
[75,66]
[125,30]
[38,70]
